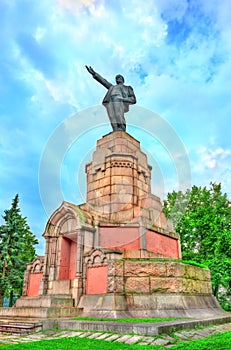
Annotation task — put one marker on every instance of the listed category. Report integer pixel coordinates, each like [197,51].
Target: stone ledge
[39,312]
[138,328]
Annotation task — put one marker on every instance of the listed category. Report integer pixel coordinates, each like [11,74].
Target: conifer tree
[16,250]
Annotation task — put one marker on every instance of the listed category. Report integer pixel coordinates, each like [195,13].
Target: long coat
[127,92]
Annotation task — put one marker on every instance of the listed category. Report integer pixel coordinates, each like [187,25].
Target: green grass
[220,341]
[76,344]
[140,320]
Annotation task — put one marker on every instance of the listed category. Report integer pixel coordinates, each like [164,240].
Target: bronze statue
[117,99]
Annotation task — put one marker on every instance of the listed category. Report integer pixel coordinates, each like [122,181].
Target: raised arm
[98,77]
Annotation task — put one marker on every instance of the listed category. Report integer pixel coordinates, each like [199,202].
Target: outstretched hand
[90,70]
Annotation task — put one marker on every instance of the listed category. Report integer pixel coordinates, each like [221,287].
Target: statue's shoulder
[128,87]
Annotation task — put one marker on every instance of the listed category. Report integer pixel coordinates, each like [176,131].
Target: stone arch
[62,220]
[61,236]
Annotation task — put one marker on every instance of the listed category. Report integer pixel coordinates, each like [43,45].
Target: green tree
[16,250]
[202,217]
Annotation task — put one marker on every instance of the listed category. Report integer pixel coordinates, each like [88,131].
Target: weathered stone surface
[175,269]
[144,268]
[160,342]
[190,271]
[123,339]
[111,268]
[94,335]
[119,268]
[137,284]
[136,268]
[133,339]
[209,287]
[115,284]
[119,175]
[157,269]
[103,336]
[113,337]
[166,285]
[156,277]
[142,302]
[84,335]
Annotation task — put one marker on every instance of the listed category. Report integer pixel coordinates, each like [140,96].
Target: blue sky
[175,53]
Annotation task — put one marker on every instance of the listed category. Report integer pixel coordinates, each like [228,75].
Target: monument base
[147,287]
[146,306]
[42,307]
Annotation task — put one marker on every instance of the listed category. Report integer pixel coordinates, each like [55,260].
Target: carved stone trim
[122,164]
[96,257]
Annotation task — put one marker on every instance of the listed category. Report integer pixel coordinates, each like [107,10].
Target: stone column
[44,283]
[77,283]
[143,245]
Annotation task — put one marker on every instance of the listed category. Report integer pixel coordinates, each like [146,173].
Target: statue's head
[119,79]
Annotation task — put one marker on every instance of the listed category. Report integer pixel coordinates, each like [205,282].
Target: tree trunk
[215,290]
[2,292]
[11,298]
[1,298]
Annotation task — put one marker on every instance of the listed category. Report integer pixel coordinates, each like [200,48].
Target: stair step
[19,327]
[45,301]
[40,312]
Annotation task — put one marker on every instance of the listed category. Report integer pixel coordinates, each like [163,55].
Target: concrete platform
[137,328]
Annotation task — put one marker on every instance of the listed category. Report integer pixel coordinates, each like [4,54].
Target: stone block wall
[127,276]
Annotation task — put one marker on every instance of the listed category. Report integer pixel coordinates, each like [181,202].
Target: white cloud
[212,158]
[39,33]
[211,163]
[95,7]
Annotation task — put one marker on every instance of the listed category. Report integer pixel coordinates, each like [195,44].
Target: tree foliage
[202,217]
[16,250]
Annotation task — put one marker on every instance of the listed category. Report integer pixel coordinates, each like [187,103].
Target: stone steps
[42,307]
[12,327]
[45,301]
[40,312]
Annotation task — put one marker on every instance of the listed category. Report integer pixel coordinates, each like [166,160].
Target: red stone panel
[64,259]
[96,280]
[161,244]
[34,283]
[72,267]
[122,238]
[67,268]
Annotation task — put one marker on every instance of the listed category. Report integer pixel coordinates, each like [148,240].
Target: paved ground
[164,340]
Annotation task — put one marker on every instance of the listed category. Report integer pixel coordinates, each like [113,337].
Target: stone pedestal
[118,178]
[119,183]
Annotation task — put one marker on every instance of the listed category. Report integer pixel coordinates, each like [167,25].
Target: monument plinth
[119,182]
[113,255]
